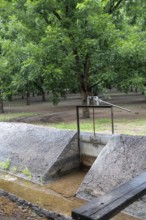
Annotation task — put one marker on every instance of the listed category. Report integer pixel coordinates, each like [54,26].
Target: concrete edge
[37,209]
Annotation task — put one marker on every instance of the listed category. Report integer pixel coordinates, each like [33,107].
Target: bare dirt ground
[65,111]
[11,211]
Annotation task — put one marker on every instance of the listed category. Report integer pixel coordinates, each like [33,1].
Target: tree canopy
[76,45]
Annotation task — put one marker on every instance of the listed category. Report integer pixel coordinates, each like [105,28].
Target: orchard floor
[47,114]
[65,111]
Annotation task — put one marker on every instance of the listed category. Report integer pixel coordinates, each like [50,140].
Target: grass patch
[86,125]
[9,116]
[121,126]
[27,172]
[5,165]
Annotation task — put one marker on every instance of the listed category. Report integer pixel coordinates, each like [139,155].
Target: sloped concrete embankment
[45,152]
[123,158]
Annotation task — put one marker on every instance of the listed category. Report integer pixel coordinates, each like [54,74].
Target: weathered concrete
[46,152]
[91,146]
[123,157]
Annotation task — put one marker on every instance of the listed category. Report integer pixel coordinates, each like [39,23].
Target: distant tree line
[75,45]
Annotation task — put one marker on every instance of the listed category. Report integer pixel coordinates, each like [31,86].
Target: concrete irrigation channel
[40,169]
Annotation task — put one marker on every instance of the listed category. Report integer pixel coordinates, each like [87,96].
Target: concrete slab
[46,152]
[122,158]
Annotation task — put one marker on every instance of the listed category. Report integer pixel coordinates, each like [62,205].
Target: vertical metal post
[78,128]
[112,119]
[93,121]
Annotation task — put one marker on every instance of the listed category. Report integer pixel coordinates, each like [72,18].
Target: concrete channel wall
[91,146]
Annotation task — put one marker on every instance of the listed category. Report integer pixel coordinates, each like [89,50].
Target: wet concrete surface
[58,196]
[48,196]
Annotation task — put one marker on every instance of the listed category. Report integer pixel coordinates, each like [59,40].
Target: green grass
[85,125]
[5,165]
[27,172]
[102,125]
[9,116]
[123,126]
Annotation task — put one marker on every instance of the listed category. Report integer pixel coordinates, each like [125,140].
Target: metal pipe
[125,109]
[112,118]
[78,129]
[93,121]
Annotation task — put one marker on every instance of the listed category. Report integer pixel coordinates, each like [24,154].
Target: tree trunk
[83,80]
[41,89]
[86,112]
[27,98]
[43,96]
[1,105]
[84,87]
[22,96]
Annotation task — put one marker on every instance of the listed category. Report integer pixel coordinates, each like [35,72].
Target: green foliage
[71,45]
[15,169]
[27,172]
[5,165]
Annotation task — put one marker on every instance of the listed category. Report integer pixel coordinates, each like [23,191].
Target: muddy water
[58,196]
[48,196]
